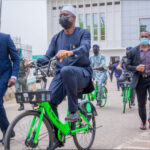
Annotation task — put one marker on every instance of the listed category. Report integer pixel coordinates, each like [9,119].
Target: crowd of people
[75,69]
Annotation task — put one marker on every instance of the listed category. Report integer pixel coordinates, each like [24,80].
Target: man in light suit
[9,67]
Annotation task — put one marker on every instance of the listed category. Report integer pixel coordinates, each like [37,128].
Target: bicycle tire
[130,104]
[124,106]
[20,117]
[75,138]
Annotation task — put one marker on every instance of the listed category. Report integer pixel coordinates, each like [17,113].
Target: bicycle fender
[86,107]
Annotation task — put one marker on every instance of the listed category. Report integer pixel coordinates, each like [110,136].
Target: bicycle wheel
[104,98]
[130,104]
[124,105]
[84,139]
[21,126]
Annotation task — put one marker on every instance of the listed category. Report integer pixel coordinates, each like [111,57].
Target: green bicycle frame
[92,96]
[127,94]
[63,128]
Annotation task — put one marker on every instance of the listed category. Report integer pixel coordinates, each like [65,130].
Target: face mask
[65,22]
[95,51]
[144,41]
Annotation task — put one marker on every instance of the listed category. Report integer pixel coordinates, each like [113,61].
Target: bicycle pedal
[74,120]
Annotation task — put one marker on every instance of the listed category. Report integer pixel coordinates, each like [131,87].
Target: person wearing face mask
[98,63]
[126,73]
[73,71]
[139,62]
[117,72]
[21,82]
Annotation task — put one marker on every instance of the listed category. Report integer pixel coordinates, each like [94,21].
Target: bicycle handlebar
[45,70]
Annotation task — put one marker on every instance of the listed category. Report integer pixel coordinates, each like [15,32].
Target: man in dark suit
[73,71]
[139,62]
[8,75]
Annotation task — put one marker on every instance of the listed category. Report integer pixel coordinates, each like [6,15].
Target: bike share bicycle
[126,89]
[34,129]
[93,96]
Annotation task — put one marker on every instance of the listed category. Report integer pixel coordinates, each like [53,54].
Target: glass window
[81,21]
[102,26]
[88,26]
[145,24]
[95,27]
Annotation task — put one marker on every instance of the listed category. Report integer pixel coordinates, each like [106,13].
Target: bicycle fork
[129,94]
[33,134]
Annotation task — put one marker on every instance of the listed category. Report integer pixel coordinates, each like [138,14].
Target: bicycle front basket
[33,97]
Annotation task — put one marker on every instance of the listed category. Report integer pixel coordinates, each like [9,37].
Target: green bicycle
[126,92]
[93,96]
[34,129]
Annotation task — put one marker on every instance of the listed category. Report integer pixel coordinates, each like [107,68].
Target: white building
[114,24]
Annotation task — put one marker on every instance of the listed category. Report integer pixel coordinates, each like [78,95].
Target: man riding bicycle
[98,63]
[73,71]
[127,75]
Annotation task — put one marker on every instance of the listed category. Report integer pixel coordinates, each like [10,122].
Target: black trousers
[142,89]
[133,92]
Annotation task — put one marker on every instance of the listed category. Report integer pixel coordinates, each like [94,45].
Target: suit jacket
[132,62]
[9,59]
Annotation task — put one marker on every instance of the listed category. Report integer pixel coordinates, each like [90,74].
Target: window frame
[144,18]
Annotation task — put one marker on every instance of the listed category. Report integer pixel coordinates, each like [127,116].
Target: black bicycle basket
[33,97]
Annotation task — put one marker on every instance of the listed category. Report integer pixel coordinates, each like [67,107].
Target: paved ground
[118,131]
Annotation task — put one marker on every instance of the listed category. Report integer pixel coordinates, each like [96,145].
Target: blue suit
[8,56]
[74,72]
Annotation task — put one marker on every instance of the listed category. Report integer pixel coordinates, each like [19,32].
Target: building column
[106,40]
[113,17]
[98,14]
[84,17]
[91,21]
[49,25]
[77,17]
[0,13]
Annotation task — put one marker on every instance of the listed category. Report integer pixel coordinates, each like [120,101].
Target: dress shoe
[2,140]
[99,102]
[133,103]
[143,126]
[13,134]
[72,117]
[55,144]
[21,107]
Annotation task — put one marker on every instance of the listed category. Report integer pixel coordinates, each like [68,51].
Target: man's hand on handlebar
[98,68]
[62,54]
[30,63]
